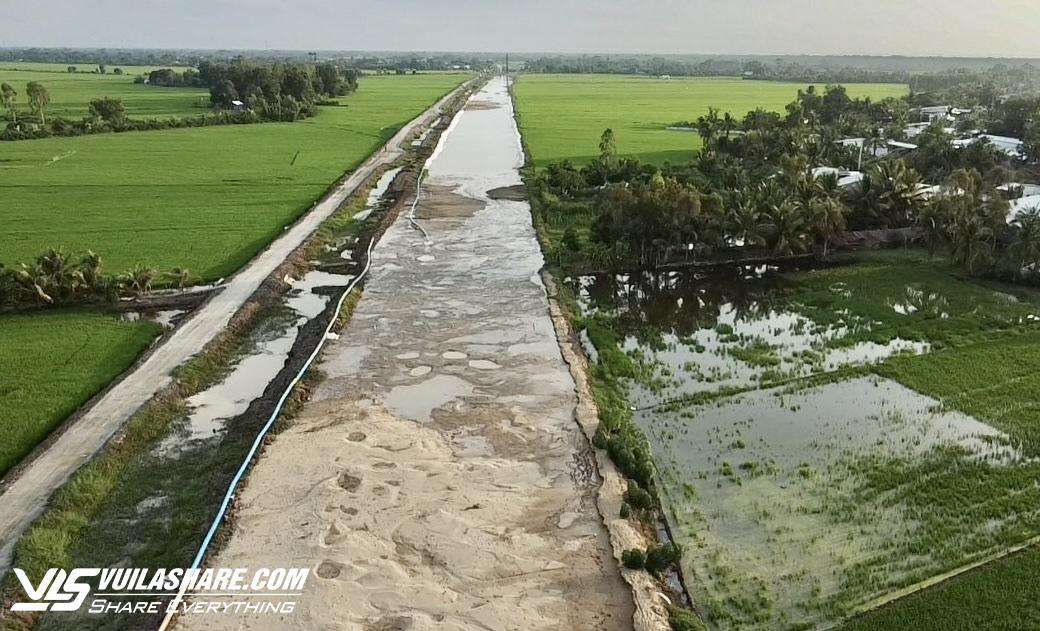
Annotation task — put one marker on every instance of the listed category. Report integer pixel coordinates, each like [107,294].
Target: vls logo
[58,591]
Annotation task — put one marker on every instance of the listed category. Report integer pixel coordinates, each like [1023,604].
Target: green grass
[206,199]
[71,93]
[938,306]
[562,116]
[50,363]
[1001,595]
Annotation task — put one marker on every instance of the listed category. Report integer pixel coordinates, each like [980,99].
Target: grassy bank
[562,116]
[51,363]
[205,199]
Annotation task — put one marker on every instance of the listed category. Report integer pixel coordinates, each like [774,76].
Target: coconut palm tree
[898,192]
[933,219]
[828,219]
[180,277]
[745,223]
[138,281]
[34,282]
[64,280]
[971,240]
[1025,246]
[788,229]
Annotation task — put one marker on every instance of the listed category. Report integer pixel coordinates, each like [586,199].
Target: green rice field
[206,199]
[827,440]
[562,116]
[71,93]
[51,363]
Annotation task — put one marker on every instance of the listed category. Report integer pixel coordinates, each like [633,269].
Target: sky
[971,28]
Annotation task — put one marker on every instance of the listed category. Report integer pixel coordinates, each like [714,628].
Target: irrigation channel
[437,477]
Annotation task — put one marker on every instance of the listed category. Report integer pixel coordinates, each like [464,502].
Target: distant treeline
[138,57]
[919,74]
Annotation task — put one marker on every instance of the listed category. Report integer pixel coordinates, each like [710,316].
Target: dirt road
[25,498]
[438,479]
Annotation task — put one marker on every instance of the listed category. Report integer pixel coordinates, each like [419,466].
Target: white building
[1021,205]
[845,178]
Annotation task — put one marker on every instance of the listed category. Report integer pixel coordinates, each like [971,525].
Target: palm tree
[933,219]
[708,128]
[788,229]
[1025,246]
[64,280]
[828,219]
[971,240]
[34,282]
[138,281]
[728,124]
[180,277]
[745,223]
[898,192]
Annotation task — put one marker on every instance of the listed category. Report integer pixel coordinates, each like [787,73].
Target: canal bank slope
[438,478]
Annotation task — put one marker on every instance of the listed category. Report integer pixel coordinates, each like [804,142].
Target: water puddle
[167,319]
[372,203]
[269,346]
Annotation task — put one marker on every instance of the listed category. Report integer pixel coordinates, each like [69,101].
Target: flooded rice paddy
[801,484]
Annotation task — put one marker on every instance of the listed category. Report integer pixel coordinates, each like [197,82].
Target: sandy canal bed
[438,478]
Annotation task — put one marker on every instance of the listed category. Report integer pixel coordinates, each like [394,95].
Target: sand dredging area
[437,478]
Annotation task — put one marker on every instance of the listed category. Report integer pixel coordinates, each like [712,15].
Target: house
[1011,147]
[1015,190]
[845,178]
[895,144]
[1022,205]
[935,113]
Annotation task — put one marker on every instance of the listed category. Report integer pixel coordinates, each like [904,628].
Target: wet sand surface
[438,478]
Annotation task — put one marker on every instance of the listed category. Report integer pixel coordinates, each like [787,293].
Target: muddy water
[447,405]
[699,333]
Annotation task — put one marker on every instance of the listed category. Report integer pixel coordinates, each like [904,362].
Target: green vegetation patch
[562,116]
[51,363]
[205,199]
[71,93]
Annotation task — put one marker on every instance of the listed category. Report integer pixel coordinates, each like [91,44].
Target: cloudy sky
[909,27]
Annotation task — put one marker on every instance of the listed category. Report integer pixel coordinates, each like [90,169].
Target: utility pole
[507,64]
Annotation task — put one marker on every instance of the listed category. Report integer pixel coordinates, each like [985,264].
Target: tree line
[267,92]
[753,189]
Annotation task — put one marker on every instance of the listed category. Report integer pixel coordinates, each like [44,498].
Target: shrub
[633,558]
[684,620]
[661,556]
[638,498]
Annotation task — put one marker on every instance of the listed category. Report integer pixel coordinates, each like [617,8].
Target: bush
[626,510]
[638,498]
[633,559]
[661,556]
[684,620]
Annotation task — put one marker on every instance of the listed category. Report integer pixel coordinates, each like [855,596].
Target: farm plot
[822,438]
[51,363]
[206,199]
[562,116]
[71,92]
